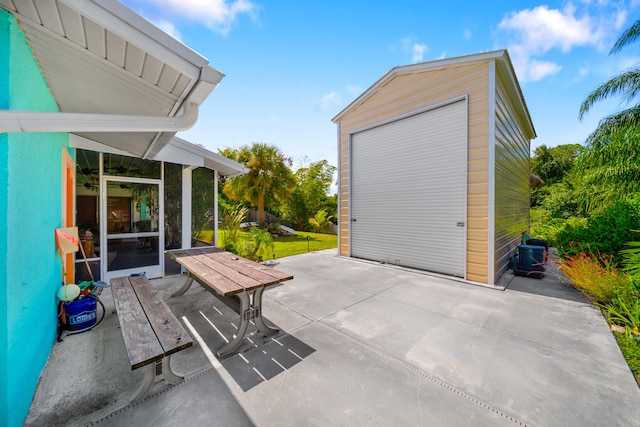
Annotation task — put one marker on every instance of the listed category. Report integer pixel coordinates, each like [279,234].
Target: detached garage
[434,168]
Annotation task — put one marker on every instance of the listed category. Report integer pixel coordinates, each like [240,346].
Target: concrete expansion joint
[429,377]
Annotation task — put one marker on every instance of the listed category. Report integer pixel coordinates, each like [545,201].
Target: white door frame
[150,271]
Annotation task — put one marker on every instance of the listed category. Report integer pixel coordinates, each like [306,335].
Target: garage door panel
[408,191]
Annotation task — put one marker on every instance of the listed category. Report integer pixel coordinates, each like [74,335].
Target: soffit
[97,56]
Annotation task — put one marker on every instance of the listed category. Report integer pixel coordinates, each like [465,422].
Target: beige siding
[511,180]
[404,94]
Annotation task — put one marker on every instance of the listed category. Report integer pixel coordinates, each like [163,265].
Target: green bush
[631,350]
[605,233]
[560,200]
[543,226]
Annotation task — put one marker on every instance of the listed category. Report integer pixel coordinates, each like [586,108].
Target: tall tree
[610,162]
[626,84]
[269,180]
[553,164]
[311,194]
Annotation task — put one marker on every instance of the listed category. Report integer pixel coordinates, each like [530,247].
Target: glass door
[131,210]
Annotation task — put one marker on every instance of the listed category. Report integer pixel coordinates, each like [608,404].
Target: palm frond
[609,125]
[629,36]
[627,84]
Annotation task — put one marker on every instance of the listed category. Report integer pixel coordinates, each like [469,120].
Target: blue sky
[291,66]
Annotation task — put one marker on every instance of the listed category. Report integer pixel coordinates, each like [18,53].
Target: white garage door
[408,192]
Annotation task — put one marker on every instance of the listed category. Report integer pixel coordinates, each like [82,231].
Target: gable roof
[503,66]
[99,57]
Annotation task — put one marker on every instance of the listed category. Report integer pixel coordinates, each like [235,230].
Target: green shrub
[625,312]
[631,259]
[259,246]
[605,233]
[230,228]
[631,350]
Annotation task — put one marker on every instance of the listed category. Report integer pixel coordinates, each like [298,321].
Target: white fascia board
[34,121]
[174,154]
[184,152]
[122,21]
[209,79]
[506,67]
[77,141]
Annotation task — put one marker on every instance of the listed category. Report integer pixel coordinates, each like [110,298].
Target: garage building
[434,168]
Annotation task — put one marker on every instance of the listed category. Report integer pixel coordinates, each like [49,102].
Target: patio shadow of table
[258,359]
[268,357]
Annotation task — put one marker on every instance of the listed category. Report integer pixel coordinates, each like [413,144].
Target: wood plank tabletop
[225,272]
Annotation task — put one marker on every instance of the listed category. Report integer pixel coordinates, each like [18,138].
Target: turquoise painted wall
[30,210]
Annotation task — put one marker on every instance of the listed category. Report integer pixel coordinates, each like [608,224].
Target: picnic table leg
[245,316]
[168,374]
[184,287]
[257,307]
[149,377]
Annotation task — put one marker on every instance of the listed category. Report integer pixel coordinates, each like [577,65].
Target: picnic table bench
[151,331]
[231,278]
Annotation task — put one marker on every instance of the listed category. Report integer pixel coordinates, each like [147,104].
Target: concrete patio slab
[361,344]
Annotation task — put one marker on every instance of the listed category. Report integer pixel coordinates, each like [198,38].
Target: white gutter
[33,121]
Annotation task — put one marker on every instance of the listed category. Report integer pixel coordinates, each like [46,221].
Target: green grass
[287,246]
[631,350]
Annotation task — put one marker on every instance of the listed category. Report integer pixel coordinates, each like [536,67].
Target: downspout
[34,121]
[207,81]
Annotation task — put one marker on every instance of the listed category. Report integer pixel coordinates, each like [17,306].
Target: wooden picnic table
[228,275]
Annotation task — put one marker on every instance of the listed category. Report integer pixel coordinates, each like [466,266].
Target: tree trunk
[261,214]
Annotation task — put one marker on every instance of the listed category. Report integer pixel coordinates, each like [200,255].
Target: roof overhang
[178,151]
[100,58]
[503,66]
[183,152]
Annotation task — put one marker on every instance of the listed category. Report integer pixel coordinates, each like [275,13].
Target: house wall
[511,178]
[30,210]
[407,93]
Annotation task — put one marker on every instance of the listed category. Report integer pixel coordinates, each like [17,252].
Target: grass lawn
[287,246]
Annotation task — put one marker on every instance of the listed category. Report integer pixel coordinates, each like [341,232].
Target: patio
[361,344]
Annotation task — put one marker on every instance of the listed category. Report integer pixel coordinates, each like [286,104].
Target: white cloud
[169,28]
[533,33]
[417,52]
[219,15]
[467,34]
[539,69]
[329,100]
[413,48]
[356,90]
[582,73]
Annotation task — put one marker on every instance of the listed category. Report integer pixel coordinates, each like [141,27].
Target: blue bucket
[80,314]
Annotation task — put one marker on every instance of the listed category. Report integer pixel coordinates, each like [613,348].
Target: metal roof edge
[431,65]
[208,154]
[505,59]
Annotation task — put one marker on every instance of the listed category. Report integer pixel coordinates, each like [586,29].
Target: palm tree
[320,221]
[611,159]
[626,84]
[269,179]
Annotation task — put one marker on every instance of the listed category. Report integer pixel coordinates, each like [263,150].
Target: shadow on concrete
[552,284]
[269,357]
